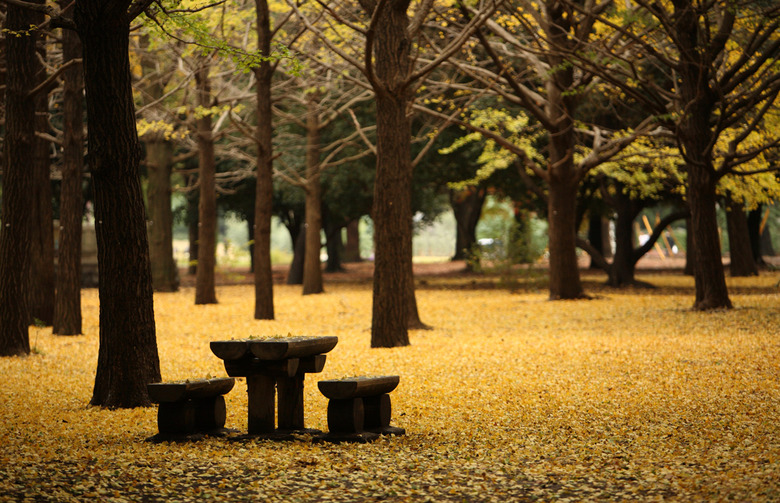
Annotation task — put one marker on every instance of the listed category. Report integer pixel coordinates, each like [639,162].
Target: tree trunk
[352,246]
[598,236]
[333,243]
[708,272]
[159,160]
[295,273]
[392,213]
[562,217]
[742,261]
[42,280]
[690,248]
[467,208]
[312,267]
[67,303]
[205,289]
[264,299]
[696,137]
[127,359]
[623,263]
[250,229]
[756,236]
[17,194]
[563,177]
[192,232]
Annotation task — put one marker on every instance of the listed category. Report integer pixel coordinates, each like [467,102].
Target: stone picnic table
[274,364]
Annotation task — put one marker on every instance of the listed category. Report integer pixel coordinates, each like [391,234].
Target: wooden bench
[359,408]
[190,408]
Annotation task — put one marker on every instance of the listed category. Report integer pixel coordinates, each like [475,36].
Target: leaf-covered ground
[630,396]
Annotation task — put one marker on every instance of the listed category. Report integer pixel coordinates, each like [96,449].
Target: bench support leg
[290,402]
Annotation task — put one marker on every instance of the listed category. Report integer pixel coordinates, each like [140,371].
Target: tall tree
[18,187]
[264,293]
[42,281]
[67,303]
[127,359]
[157,135]
[205,292]
[390,31]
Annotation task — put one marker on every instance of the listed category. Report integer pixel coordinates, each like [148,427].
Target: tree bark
[741,253]
[312,267]
[708,271]
[394,304]
[562,217]
[295,273]
[205,288]
[17,218]
[127,359]
[333,242]
[352,246]
[757,237]
[159,164]
[67,303]
[695,136]
[264,300]
[690,248]
[467,208]
[42,280]
[192,231]
[623,264]
[563,177]
[392,230]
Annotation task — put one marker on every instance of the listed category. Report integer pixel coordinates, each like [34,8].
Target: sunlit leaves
[514,127]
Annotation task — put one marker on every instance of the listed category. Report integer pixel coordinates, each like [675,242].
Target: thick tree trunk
[17,197]
[467,208]
[393,226]
[67,303]
[42,280]
[562,217]
[394,305]
[312,267]
[563,178]
[741,253]
[159,163]
[205,288]
[127,359]
[708,271]
[264,300]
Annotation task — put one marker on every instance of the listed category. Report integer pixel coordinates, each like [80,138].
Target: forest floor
[630,396]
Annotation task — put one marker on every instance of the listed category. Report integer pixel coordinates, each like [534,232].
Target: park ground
[630,396]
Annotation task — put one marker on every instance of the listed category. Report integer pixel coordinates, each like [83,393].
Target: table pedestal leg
[261,397]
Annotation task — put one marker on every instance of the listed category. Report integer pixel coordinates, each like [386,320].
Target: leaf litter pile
[509,397]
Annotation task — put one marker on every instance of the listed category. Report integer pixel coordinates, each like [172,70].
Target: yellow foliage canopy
[630,396]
